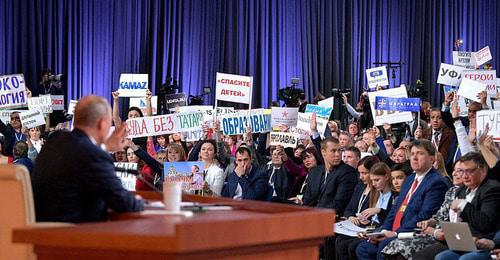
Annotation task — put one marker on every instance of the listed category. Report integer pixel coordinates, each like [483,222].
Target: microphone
[139,176]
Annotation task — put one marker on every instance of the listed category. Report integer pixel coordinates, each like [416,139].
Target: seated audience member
[246,181]
[4,159]
[277,174]
[362,146]
[491,154]
[330,185]
[381,201]
[421,195]
[400,155]
[175,153]
[311,159]
[21,156]
[352,155]
[353,130]
[345,140]
[442,137]
[35,138]
[359,201]
[399,171]
[405,248]
[120,156]
[405,143]
[12,133]
[214,174]
[74,179]
[439,165]
[477,204]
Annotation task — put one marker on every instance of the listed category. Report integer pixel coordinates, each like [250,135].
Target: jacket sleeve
[101,179]
[195,152]
[433,199]
[150,161]
[259,187]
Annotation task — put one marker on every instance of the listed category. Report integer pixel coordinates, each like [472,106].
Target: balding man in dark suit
[74,179]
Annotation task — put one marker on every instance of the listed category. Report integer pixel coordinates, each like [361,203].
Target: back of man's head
[21,149]
[89,110]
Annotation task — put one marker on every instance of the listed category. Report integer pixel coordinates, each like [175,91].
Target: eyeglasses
[467,171]
[15,118]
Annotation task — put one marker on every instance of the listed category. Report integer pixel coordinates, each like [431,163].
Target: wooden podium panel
[252,229]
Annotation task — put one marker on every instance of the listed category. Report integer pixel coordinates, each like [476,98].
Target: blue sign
[319,110]
[397,104]
[448,89]
[236,124]
[376,73]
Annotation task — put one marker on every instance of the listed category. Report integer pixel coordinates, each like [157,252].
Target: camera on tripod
[292,95]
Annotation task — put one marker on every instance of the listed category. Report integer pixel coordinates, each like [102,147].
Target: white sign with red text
[164,124]
[482,56]
[41,103]
[57,102]
[486,77]
[233,88]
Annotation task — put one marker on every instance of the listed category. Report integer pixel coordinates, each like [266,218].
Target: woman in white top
[214,174]
[34,136]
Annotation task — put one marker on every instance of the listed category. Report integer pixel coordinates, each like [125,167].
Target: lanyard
[362,201]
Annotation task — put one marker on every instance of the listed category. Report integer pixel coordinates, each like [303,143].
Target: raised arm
[116,110]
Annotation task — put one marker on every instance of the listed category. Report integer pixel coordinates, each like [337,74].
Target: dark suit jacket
[483,213]
[336,192]
[352,207]
[254,185]
[447,144]
[424,203]
[75,181]
[280,179]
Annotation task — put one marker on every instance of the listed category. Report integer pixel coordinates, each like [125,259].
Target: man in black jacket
[74,178]
[330,185]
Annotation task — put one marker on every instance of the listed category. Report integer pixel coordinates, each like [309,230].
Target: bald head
[89,110]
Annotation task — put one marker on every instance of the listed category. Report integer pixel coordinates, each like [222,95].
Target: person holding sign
[12,132]
[133,112]
[74,179]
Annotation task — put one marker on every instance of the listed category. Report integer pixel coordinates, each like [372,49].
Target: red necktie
[402,208]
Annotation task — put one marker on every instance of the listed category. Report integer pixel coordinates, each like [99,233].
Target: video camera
[336,92]
[291,95]
[56,78]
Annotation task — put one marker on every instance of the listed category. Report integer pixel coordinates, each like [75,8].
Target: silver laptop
[458,236]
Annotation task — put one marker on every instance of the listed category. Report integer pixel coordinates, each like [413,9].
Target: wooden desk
[251,230]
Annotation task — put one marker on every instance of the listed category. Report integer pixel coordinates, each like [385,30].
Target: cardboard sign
[72,106]
[57,102]
[41,103]
[329,102]
[236,123]
[300,133]
[128,180]
[284,139]
[322,116]
[492,118]
[164,124]
[190,174]
[482,56]
[193,136]
[32,118]
[487,77]
[284,116]
[175,100]
[303,124]
[470,88]
[233,88]
[133,85]
[377,77]
[450,75]
[13,91]
[397,104]
[140,102]
[380,116]
[464,59]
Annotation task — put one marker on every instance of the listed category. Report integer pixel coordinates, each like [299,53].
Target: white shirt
[215,178]
[238,194]
[37,144]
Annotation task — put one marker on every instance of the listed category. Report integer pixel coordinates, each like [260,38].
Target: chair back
[16,200]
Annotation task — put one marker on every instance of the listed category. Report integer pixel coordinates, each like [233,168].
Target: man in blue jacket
[246,182]
[421,195]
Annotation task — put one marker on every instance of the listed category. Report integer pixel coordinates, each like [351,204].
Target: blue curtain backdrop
[327,44]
